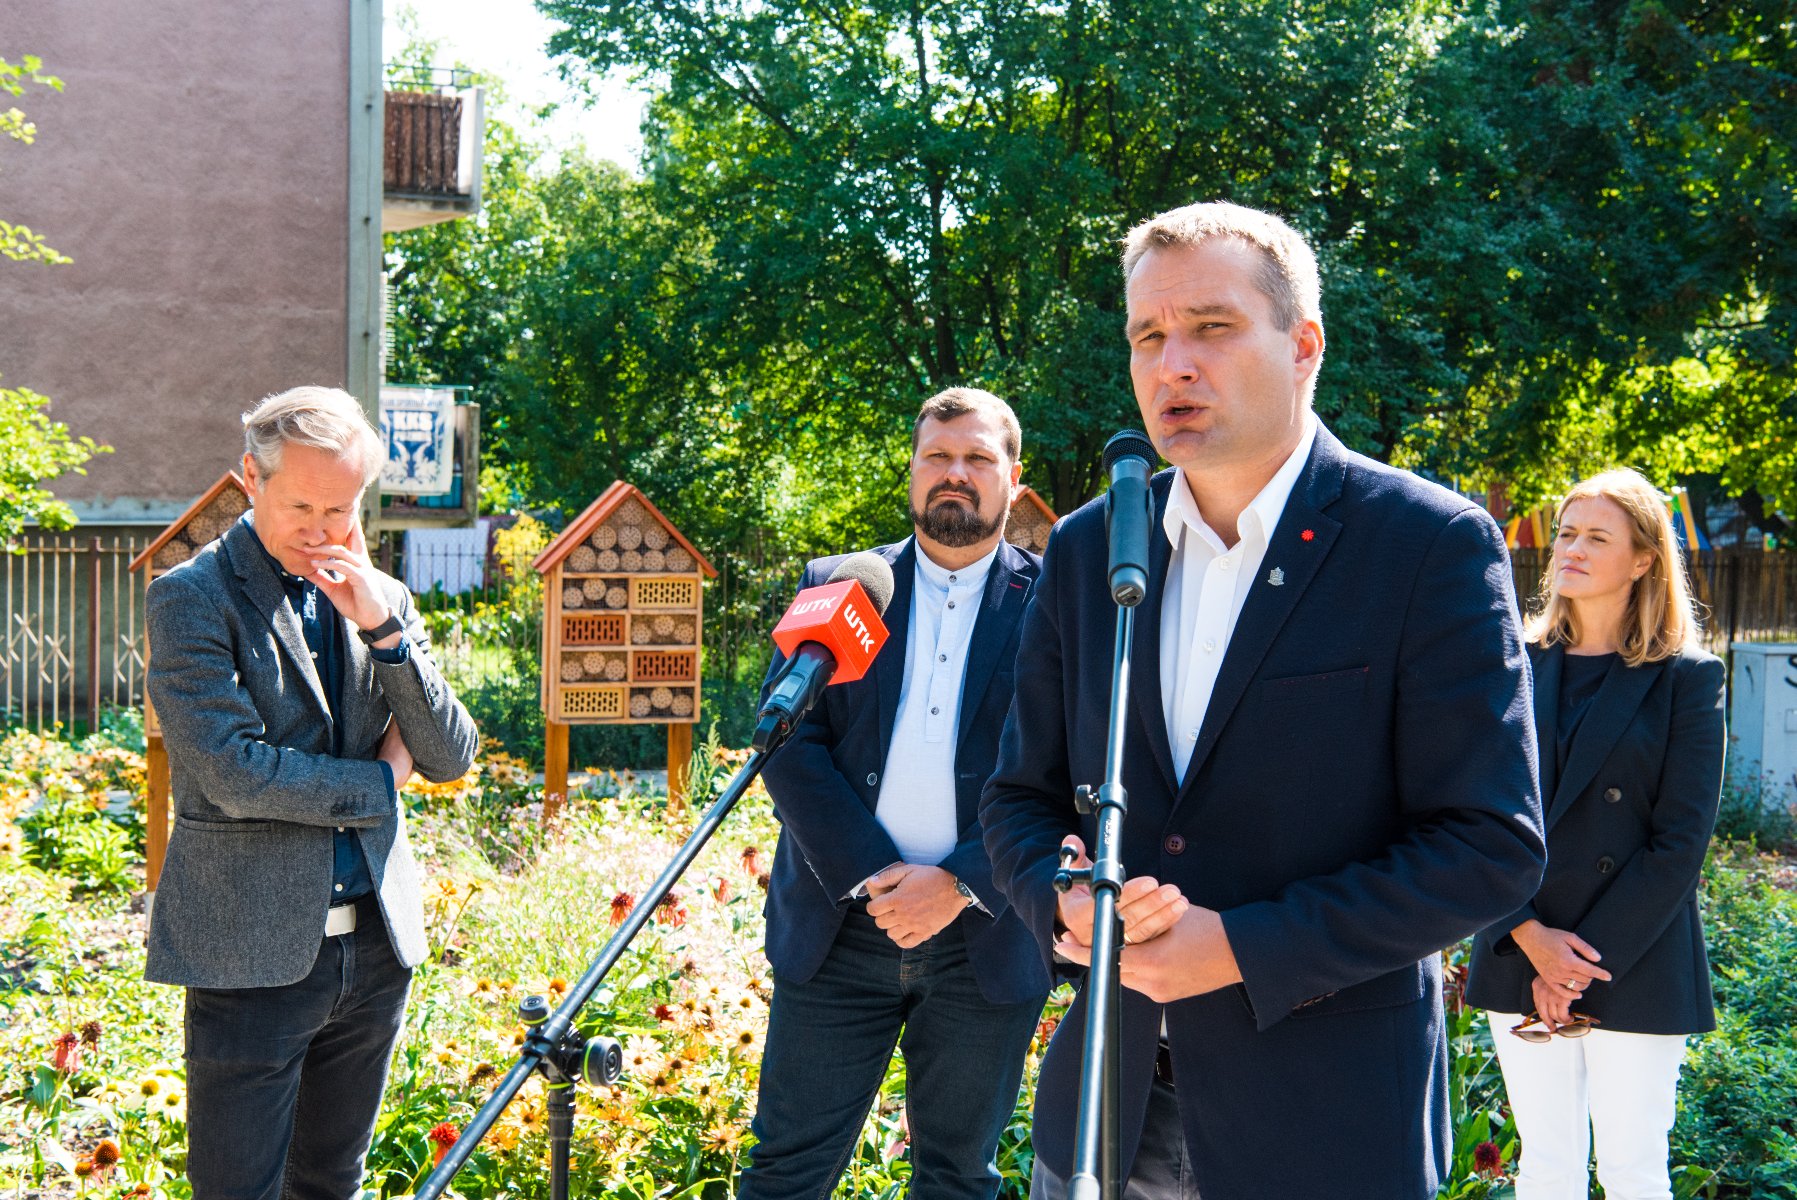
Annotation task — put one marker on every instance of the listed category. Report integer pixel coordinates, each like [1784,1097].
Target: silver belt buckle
[339,920]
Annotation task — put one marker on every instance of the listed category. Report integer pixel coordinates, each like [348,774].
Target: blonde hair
[320,417]
[1661,617]
[1288,274]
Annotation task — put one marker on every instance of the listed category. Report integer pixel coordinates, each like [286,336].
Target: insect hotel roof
[1030,521]
[205,519]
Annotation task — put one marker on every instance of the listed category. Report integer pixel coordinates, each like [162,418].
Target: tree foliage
[16,241]
[33,448]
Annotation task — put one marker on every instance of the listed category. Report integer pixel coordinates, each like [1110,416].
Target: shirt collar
[1263,512]
[972,575]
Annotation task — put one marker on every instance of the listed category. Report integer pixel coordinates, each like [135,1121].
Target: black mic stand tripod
[1096,1155]
[554,1047]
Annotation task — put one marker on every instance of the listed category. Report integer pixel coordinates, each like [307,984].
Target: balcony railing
[432,151]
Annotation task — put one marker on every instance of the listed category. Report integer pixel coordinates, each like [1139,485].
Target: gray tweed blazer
[257,794]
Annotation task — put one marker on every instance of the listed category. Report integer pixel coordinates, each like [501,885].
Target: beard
[955,524]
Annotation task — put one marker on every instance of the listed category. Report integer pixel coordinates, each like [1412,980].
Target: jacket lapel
[265,592]
[1145,649]
[889,664]
[1000,606]
[1611,710]
[1546,688]
[1264,613]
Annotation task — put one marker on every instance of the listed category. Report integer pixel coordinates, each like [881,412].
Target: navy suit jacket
[1361,795]
[1628,824]
[826,778]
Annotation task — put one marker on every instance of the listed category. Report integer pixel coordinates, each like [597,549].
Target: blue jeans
[284,1083]
[830,1039]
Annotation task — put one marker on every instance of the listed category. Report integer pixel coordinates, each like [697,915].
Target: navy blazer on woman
[1628,825]
[1361,794]
[825,781]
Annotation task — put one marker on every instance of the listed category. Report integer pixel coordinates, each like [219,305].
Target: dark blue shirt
[324,633]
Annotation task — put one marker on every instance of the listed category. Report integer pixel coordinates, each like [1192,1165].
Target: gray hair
[958,402]
[320,417]
[1288,274]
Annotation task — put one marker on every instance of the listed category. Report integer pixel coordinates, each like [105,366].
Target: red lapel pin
[1309,535]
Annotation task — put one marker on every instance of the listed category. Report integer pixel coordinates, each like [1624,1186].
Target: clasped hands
[1172,948]
[1565,965]
[913,903]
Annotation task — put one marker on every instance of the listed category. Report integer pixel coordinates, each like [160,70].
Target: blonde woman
[1592,987]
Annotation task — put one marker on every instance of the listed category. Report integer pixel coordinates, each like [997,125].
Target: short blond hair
[320,417]
[1288,276]
[1661,617]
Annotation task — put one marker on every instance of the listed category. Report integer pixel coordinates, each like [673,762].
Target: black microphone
[828,639]
[1128,460]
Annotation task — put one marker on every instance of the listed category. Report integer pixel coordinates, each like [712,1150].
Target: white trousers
[1619,1087]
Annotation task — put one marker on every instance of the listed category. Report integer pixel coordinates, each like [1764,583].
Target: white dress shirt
[1207,583]
[916,802]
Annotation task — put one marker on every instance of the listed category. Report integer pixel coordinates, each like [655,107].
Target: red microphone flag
[839,617]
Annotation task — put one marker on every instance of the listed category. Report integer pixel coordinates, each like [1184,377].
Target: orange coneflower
[443,1135]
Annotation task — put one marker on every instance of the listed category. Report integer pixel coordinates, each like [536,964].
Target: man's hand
[394,753]
[913,904]
[1190,959]
[1148,908]
[1564,959]
[347,578]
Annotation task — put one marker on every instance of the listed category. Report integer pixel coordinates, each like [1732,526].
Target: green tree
[16,241]
[33,448]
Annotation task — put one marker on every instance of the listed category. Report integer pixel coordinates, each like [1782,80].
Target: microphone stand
[554,1046]
[1097,1166]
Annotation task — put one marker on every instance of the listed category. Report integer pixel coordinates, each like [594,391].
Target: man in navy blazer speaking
[883,925]
[1328,757]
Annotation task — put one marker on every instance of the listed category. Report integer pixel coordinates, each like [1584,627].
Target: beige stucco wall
[195,168]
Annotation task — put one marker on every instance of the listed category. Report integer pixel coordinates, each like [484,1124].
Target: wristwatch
[967,893]
[391,625]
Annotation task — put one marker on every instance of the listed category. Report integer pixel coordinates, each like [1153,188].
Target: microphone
[830,634]
[1128,460]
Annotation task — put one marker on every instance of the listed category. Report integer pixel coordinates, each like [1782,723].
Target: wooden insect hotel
[205,520]
[1030,522]
[622,624]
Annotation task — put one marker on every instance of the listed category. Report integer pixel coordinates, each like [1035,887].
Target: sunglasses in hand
[1579,1026]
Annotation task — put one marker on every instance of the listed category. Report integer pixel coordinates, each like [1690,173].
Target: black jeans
[1163,1166]
[830,1038]
[284,1083]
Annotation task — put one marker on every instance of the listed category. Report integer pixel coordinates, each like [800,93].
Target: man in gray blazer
[297,694]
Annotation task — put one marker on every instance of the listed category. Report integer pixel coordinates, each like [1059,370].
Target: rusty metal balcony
[432,151]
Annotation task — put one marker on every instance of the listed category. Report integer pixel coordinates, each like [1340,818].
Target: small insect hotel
[1030,522]
[206,519]
[622,623]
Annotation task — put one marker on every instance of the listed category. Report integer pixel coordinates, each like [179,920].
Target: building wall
[195,167]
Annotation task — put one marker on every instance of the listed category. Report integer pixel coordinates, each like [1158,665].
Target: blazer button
[1175,844]
[1612,794]
[872,778]
[1605,865]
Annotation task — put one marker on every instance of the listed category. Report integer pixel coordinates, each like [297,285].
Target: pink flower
[65,1054]
[752,862]
[672,910]
[621,904]
[721,890]
[1487,1158]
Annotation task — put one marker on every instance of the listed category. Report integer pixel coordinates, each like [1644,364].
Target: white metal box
[1763,715]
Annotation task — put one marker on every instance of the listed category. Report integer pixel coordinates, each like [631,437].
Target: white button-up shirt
[1207,583]
[916,802]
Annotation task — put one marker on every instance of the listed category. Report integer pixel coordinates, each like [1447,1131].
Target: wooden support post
[680,757]
[555,767]
[155,812]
